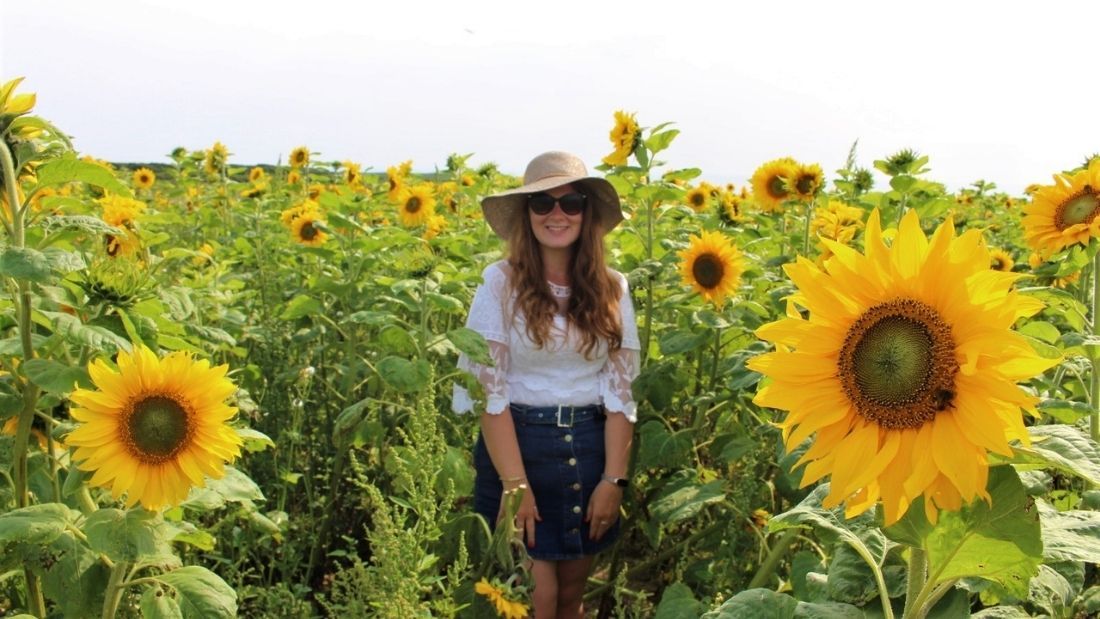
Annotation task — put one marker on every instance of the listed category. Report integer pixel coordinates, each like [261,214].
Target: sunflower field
[225,388]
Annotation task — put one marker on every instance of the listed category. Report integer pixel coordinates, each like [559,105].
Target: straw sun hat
[547,171]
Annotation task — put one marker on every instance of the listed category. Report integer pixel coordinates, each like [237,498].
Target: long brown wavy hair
[593,307]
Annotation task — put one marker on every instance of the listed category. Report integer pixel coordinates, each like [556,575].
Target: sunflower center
[158,428]
[308,232]
[412,205]
[777,187]
[698,199]
[707,270]
[805,184]
[1081,208]
[897,365]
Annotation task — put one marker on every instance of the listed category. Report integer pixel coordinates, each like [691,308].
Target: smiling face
[556,230]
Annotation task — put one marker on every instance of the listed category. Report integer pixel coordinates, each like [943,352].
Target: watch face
[622,483]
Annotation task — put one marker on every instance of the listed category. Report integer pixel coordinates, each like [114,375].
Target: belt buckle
[565,425]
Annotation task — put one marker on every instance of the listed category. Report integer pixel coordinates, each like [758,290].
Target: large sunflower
[416,205]
[308,229]
[624,136]
[299,157]
[155,427]
[1000,260]
[216,159]
[771,183]
[1064,213]
[807,180]
[144,178]
[697,198]
[508,609]
[712,266]
[906,369]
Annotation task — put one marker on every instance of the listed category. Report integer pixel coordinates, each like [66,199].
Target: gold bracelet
[513,479]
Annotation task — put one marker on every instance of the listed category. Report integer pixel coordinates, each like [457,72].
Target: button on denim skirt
[563,456]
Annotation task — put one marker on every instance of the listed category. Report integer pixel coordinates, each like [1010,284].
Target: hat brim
[504,210]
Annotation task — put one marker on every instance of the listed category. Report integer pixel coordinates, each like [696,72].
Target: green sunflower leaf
[1063,448]
[68,169]
[202,593]
[300,306]
[684,496]
[677,602]
[999,542]
[36,524]
[27,264]
[56,377]
[755,604]
[1070,535]
[472,343]
[155,604]
[128,535]
[661,446]
[404,375]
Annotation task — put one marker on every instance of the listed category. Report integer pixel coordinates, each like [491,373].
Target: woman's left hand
[603,509]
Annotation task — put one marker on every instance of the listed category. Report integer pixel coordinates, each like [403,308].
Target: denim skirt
[563,456]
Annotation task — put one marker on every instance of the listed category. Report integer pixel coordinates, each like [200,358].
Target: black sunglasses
[571,203]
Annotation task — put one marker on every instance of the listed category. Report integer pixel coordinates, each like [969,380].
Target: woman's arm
[499,432]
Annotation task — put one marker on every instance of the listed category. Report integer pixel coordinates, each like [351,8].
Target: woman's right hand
[526,515]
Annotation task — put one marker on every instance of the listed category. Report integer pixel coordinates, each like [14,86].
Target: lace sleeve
[615,379]
[486,318]
[493,379]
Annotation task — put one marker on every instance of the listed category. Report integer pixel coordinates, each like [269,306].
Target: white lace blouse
[555,374]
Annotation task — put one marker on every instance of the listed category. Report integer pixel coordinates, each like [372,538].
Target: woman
[559,415]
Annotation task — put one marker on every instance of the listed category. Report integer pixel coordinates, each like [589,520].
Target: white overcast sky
[1003,91]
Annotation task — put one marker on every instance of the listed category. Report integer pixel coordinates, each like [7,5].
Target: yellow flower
[120,212]
[256,174]
[697,198]
[416,205]
[16,105]
[144,178]
[254,190]
[308,229]
[125,244]
[807,181]
[205,253]
[467,180]
[1034,260]
[1000,260]
[155,427]
[905,369]
[1065,213]
[352,173]
[299,157]
[712,266]
[505,608]
[730,207]
[837,222]
[395,177]
[771,183]
[288,216]
[435,225]
[624,136]
[216,159]
[293,177]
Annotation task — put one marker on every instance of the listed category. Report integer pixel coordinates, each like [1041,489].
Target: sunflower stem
[771,562]
[1094,361]
[35,602]
[918,573]
[806,232]
[115,587]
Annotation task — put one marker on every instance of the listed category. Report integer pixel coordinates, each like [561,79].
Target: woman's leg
[572,577]
[545,595]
